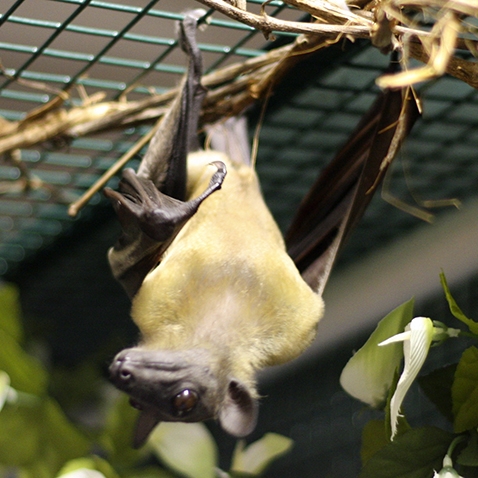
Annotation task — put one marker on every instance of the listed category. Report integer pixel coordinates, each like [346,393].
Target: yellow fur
[226,283]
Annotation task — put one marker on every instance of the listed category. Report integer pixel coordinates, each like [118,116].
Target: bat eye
[184,402]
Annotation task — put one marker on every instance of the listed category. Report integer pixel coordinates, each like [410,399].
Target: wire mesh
[107,49]
[128,50]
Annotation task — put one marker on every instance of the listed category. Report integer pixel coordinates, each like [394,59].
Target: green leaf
[374,437]
[465,391]
[37,469]
[369,374]
[255,458]
[437,387]
[187,448]
[10,312]
[20,435]
[415,454]
[25,372]
[61,435]
[73,468]
[469,455]
[76,385]
[455,310]
[38,436]
[117,436]
[150,472]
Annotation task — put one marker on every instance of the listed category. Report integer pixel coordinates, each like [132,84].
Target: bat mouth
[136,404]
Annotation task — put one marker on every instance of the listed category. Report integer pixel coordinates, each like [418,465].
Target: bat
[217,293]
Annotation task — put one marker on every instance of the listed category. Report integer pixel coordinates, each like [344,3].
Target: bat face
[176,386]
[164,386]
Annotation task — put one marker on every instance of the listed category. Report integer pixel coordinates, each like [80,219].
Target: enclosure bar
[156,13]
[12,115]
[105,5]
[46,77]
[127,27]
[23,96]
[84,57]
[51,227]
[52,37]
[64,79]
[159,60]
[100,84]
[93,144]
[7,14]
[249,52]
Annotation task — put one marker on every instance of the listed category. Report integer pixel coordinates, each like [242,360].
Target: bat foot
[158,216]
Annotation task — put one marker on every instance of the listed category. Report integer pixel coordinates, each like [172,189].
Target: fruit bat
[217,293]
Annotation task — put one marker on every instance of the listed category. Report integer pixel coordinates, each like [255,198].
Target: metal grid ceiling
[130,46]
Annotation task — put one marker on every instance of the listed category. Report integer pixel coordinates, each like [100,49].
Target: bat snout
[122,373]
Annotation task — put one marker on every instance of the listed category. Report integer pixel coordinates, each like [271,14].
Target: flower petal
[396,338]
[415,352]
[4,388]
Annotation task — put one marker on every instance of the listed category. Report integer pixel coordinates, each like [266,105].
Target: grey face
[178,386]
[165,386]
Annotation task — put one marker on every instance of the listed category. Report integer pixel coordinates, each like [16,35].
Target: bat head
[181,386]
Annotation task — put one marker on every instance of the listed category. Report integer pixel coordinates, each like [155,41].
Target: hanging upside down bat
[216,291]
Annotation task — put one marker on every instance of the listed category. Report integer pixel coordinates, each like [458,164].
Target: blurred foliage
[38,439]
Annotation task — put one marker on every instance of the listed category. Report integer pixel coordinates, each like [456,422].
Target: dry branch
[389,24]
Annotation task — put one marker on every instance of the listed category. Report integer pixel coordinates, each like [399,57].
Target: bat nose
[121,371]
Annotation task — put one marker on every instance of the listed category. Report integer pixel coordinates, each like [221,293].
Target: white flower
[7,393]
[83,473]
[417,339]
[447,471]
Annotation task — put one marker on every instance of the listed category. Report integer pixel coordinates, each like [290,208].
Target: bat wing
[340,195]
[151,204]
[230,137]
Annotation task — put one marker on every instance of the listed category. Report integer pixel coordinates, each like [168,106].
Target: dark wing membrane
[341,193]
[150,205]
[230,137]
[165,162]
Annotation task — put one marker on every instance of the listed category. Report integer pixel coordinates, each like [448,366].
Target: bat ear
[238,414]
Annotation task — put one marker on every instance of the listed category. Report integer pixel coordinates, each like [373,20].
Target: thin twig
[75,207]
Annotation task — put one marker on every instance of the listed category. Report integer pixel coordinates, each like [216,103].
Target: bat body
[204,297]
[215,292]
